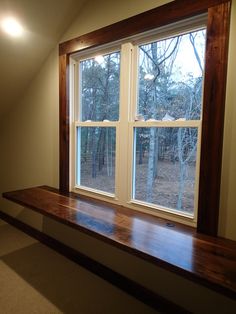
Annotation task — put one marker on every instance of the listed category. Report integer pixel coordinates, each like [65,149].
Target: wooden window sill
[207,260]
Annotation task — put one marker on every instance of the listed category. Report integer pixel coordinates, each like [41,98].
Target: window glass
[96,158]
[99,87]
[169,89]
[171,76]
[165,166]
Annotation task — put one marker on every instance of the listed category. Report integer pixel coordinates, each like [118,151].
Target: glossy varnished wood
[64,122]
[208,260]
[213,117]
[129,286]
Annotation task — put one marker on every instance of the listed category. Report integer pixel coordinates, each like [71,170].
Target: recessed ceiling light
[12,27]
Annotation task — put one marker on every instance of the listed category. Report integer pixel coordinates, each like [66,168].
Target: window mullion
[133,112]
[122,169]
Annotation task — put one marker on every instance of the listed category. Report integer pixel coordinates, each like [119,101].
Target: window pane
[171,76]
[100,87]
[96,158]
[164,171]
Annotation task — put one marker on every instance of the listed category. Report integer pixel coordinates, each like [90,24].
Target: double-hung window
[136,120]
[142,111]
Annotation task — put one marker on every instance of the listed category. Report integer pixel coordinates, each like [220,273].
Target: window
[158,146]
[145,114]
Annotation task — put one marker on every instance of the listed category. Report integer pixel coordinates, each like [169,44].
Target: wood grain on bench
[207,260]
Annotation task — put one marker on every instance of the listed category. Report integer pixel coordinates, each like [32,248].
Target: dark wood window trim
[218,12]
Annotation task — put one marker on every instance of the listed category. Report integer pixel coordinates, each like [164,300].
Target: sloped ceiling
[44,22]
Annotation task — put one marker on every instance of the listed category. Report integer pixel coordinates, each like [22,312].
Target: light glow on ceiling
[12,27]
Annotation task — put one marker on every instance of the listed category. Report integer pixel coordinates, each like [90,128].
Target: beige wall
[29,157]
[97,14]
[29,136]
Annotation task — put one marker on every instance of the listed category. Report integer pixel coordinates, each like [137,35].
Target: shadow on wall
[63,283]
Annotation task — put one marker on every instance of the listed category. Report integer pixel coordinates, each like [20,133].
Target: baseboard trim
[129,286]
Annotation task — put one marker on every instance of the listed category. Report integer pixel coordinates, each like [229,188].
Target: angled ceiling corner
[44,23]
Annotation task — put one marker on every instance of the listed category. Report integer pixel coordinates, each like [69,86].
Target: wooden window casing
[218,18]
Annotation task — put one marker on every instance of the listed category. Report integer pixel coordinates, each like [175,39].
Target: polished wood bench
[207,260]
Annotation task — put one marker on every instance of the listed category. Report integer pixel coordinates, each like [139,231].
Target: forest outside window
[137,122]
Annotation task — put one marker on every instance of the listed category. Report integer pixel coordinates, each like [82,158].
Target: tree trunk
[151,158]
[182,169]
[94,154]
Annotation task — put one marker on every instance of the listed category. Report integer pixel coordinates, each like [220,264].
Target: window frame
[218,18]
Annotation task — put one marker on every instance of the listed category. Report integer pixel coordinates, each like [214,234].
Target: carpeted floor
[35,279]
